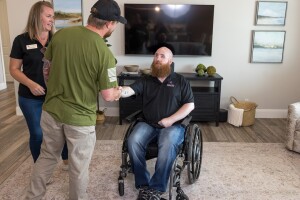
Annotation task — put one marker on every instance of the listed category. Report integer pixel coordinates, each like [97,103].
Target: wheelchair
[189,156]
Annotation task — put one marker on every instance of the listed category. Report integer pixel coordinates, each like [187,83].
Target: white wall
[2,72]
[272,86]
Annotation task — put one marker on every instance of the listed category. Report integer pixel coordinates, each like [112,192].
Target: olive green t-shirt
[81,65]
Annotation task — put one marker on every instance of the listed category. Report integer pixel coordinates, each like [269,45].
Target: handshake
[118,93]
[123,91]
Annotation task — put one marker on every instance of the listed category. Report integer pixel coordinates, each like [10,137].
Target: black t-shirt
[161,100]
[30,52]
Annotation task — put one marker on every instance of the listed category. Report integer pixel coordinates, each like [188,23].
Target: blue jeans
[168,140]
[32,110]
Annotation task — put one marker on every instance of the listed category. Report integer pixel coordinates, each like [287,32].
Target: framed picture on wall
[267,46]
[67,13]
[271,13]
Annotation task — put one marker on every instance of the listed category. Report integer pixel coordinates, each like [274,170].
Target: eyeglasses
[43,50]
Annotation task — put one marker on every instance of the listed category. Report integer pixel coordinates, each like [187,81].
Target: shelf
[205,89]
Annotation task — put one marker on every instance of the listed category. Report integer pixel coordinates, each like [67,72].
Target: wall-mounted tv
[185,29]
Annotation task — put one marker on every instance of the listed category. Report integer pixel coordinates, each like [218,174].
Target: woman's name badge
[31,46]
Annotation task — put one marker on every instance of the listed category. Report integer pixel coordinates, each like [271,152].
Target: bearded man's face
[161,65]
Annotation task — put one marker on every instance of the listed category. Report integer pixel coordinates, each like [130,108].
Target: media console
[207,98]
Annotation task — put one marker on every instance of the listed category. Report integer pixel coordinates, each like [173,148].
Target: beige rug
[229,171]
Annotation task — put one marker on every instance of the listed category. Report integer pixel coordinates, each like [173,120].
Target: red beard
[107,34]
[160,70]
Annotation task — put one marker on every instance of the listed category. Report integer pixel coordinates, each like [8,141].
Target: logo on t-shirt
[112,74]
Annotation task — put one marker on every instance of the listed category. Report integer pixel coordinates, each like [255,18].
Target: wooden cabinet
[207,98]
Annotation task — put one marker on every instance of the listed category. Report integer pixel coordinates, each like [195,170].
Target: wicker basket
[249,110]
[100,117]
[100,113]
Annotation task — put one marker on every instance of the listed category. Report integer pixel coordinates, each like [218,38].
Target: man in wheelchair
[167,99]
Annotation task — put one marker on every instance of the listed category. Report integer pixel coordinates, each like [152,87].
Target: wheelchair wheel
[126,165]
[121,186]
[174,177]
[194,153]
[182,197]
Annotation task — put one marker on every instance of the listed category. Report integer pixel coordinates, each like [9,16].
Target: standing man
[167,99]
[81,66]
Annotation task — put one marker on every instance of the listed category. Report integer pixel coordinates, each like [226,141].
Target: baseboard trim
[3,86]
[271,113]
[260,113]
[19,111]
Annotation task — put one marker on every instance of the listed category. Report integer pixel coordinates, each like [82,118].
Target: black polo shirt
[161,100]
[30,52]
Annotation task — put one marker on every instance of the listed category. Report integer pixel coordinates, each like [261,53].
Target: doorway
[5,39]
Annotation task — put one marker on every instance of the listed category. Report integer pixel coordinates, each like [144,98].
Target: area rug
[243,171]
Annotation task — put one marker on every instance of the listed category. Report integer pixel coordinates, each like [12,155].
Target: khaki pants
[81,142]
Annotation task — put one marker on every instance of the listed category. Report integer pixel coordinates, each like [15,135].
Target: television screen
[185,29]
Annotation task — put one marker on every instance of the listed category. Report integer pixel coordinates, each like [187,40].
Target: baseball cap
[107,10]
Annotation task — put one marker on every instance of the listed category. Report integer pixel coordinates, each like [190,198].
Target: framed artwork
[267,46]
[67,13]
[271,13]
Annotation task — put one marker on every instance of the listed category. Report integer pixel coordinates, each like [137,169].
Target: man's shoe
[143,193]
[154,194]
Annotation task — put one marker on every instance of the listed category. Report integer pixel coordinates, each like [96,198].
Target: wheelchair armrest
[130,118]
[186,121]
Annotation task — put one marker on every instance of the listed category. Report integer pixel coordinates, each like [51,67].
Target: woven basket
[100,117]
[249,110]
[100,113]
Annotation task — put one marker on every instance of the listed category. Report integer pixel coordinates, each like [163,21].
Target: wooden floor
[14,133]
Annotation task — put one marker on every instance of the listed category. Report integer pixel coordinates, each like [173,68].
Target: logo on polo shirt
[31,46]
[170,84]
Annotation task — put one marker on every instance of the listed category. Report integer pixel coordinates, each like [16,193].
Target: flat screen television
[185,29]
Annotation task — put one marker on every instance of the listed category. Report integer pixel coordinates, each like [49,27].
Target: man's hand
[118,93]
[180,114]
[165,122]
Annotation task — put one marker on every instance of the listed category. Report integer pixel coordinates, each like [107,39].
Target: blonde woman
[26,67]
